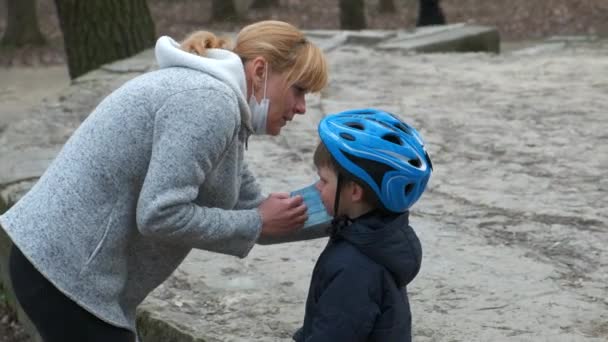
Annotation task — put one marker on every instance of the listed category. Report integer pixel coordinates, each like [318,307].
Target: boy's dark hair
[322,158]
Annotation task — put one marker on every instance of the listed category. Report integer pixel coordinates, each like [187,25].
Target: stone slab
[26,163]
[448,38]
[369,37]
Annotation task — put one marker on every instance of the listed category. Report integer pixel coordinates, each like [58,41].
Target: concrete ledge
[152,328]
[458,37]
[448,38]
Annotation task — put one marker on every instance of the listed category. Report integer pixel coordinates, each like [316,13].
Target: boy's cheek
[329,208]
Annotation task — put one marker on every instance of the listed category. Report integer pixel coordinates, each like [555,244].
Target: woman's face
[285,101]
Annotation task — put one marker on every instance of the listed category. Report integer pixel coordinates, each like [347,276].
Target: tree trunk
[387,6]
[22,24]
[352,15]
[264,3]
[97,32]
[223,10]
[430,13]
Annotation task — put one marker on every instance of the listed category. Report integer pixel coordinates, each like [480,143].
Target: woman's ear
[259,66]
[254,74]
[254,69]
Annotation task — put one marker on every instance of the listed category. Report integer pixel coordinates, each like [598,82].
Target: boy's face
[328,181]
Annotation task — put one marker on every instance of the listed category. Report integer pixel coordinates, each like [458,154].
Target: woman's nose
[300,106]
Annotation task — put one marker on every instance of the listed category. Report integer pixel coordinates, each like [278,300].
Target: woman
[156,170]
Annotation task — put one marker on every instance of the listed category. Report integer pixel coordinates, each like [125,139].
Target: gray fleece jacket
[155,170]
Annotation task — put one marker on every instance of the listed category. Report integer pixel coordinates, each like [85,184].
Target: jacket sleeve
[192,131]
[250,195]
[347,308]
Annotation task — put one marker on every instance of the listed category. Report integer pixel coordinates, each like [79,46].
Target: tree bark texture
[264,3]
[22,24]
[387,6]
[97,32]
[223,10]
[430,13]
[352,15]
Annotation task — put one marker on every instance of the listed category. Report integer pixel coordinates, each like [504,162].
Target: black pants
[57,318]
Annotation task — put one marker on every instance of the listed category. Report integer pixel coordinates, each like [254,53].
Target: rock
[446,38]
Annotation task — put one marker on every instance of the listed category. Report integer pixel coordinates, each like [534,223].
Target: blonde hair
[283,46]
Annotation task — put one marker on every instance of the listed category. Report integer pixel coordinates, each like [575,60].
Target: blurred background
[516,20]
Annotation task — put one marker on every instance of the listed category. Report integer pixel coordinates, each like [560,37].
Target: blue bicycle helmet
[380,150]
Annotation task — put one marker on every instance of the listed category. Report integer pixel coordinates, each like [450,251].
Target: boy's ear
[356,192]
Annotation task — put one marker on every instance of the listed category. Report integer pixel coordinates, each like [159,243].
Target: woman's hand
[282,215]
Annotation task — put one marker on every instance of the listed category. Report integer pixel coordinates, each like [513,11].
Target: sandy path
[514,227]
[22,88]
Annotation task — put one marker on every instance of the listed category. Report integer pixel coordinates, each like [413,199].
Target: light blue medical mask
[318,223]
[259,110]
[318,218]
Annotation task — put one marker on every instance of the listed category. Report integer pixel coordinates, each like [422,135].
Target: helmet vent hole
[408,189]
[415,162]
[355,125]
[393,138]
[403,127]
[347,136]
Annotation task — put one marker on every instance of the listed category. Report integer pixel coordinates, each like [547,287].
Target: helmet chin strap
[337,198]
[339,221]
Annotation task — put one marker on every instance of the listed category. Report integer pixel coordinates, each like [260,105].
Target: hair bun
[198,42]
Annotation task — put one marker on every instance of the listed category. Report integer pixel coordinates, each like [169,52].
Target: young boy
[372,169]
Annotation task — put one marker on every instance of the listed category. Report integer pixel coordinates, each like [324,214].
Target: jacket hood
[221,64]
[389,241]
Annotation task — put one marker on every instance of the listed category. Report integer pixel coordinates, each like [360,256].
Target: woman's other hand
[282,215]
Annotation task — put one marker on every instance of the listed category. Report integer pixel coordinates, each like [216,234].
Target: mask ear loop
[252,89]
[337,198]
[265,79]
[265,83]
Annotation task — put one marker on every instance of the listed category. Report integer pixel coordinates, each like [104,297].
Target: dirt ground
[517,20]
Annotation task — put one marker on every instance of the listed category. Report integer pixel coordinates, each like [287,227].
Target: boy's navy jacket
[357,291]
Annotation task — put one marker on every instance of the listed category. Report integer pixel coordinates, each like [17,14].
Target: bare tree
[264,3]
[387,6]
[97,32]
[430,13]
[352,15]
[22,24]
[223,10]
